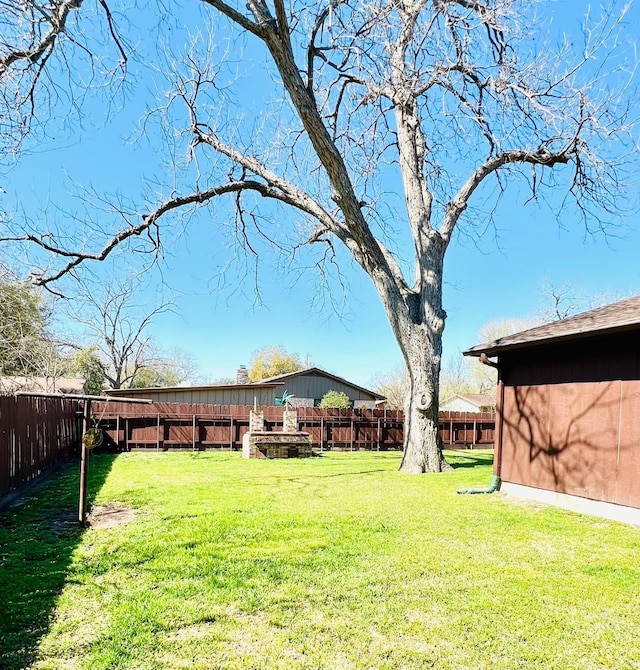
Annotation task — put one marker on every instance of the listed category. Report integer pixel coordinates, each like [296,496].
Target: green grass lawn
[336,562]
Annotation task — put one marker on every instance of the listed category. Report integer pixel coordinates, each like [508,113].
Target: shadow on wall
[571,438]
[38,535]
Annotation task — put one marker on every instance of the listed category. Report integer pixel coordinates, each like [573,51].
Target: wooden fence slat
[35,434]
[182,425]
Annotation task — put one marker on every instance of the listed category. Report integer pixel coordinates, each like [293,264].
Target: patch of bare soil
[109,516]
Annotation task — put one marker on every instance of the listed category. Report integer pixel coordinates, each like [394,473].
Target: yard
[336,562]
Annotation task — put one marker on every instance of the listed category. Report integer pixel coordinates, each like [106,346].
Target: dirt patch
[101,516]
[109,516]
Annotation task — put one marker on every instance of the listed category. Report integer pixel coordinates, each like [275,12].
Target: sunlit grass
[336,562]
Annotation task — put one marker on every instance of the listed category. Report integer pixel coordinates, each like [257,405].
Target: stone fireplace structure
[287,443]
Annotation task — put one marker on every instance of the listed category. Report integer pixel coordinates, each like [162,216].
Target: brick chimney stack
[242,376]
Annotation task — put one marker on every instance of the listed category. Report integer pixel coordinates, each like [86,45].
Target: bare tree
[563,302]
[27,346]
[38,40]
[566,300]
[455,95]
[393,385]
[456,377]
[117,331]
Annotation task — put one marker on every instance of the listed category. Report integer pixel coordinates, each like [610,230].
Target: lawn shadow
[38,535]
[468,459]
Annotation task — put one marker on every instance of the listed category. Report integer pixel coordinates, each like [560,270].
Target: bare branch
[236,17]
[40,40]
[542,157]
[55,17]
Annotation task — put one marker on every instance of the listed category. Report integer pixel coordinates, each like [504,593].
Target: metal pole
[84,464]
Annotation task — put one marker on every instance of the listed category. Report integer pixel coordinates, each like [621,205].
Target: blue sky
[500,276]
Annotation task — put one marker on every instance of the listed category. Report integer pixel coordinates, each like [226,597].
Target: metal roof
[618,317]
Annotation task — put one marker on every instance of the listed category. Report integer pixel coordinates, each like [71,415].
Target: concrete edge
[622,513]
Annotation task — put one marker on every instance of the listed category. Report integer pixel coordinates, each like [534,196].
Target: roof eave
[493,349]
[174,389]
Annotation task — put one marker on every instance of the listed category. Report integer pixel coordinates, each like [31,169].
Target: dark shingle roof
[620,316]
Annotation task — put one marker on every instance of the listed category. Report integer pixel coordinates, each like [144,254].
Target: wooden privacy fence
[164,426]
[462,430]
[35,434]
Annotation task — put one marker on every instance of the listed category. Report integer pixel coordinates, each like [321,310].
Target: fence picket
[35,434]
[222,426]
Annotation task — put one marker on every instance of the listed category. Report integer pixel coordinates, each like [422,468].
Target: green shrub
[335,399]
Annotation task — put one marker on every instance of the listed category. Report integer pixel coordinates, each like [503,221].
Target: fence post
[84,465]
[352,432]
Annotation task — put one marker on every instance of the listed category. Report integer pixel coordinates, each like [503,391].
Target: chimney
[242,376]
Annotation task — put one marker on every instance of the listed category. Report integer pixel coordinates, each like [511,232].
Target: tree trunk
[422,443]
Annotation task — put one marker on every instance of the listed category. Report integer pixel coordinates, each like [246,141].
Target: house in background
[468,402]
[307,387]
[62,385]
[568,411]
[212,394]
[310,385]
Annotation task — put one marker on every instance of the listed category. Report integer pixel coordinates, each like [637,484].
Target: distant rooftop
[478,399]
[62,385]
[318,371]
[200,387]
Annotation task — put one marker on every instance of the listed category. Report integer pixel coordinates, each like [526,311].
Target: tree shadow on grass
[38,535]
[468,459]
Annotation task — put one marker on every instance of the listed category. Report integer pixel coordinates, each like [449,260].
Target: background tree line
[98,333]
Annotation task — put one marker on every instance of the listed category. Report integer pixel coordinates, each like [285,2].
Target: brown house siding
[570,418]
[594,360]
[579,439]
